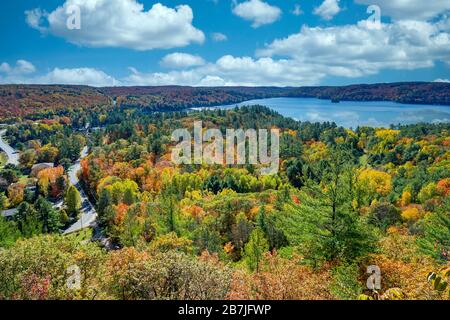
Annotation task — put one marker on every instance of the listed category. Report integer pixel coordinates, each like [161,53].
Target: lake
[351,114]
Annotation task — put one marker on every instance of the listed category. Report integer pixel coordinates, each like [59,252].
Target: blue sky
[224,42]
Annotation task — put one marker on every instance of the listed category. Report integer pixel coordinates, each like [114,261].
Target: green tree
[325,226]
[294,172]
[133,228]
[73,201]
[104,200]
[27,220]
[170,211]
[255,249]
[50,218]
[129,196]
[28,158]
[8,233]
[267,224]
[345,284]
[10,175]
[435,241]
[241,232]
[3,202]
[207,238]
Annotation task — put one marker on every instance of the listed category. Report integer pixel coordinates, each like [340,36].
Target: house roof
[42,165]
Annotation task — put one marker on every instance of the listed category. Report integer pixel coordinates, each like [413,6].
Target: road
[73,170]
[9,213]
[13,158]
[11,153]
[88,215]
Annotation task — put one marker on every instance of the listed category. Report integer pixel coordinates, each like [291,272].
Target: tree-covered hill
[23,100]
[27,100]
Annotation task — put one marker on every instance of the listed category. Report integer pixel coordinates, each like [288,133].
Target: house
[35,169]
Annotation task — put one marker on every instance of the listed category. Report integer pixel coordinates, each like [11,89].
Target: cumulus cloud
[82,76]
[22,73]
[356,50]
[328,9]
[258,12]
[411,9]
[36,18]
[181,60]
[120,23]
[22,67]
[219,37]
[230,71]
[303,58]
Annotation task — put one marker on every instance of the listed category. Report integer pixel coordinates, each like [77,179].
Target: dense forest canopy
[29,100]
[343,200]
[23,100]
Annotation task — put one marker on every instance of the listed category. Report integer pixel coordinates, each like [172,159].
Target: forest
[31,101]
[24,100]
[342,201]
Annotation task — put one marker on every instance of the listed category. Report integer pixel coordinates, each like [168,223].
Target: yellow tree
[372,184]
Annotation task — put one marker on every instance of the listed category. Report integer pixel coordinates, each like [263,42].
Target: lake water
[352,114]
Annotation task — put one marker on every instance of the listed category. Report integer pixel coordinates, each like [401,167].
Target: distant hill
[403,92]
[175,98]
[23,100]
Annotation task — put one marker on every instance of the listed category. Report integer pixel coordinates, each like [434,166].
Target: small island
[335,100]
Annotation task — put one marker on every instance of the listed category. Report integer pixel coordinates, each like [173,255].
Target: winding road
[13,158]
[88,215]
[11,153]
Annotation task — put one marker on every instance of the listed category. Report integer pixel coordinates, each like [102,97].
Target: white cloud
[84,76]
[303,58]
[410,9]
[297,11]
[258,12]
[120,23]
[22,67]
[20,74]
[229,71]
[35,18]
[5,67]
[219,37]
[441,80]
[328,9]
[212,81]
[355,50]
[181,60]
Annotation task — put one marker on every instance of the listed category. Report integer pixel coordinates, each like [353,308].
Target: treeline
[26,100]
[407,92]
[176,98]
[172,98]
